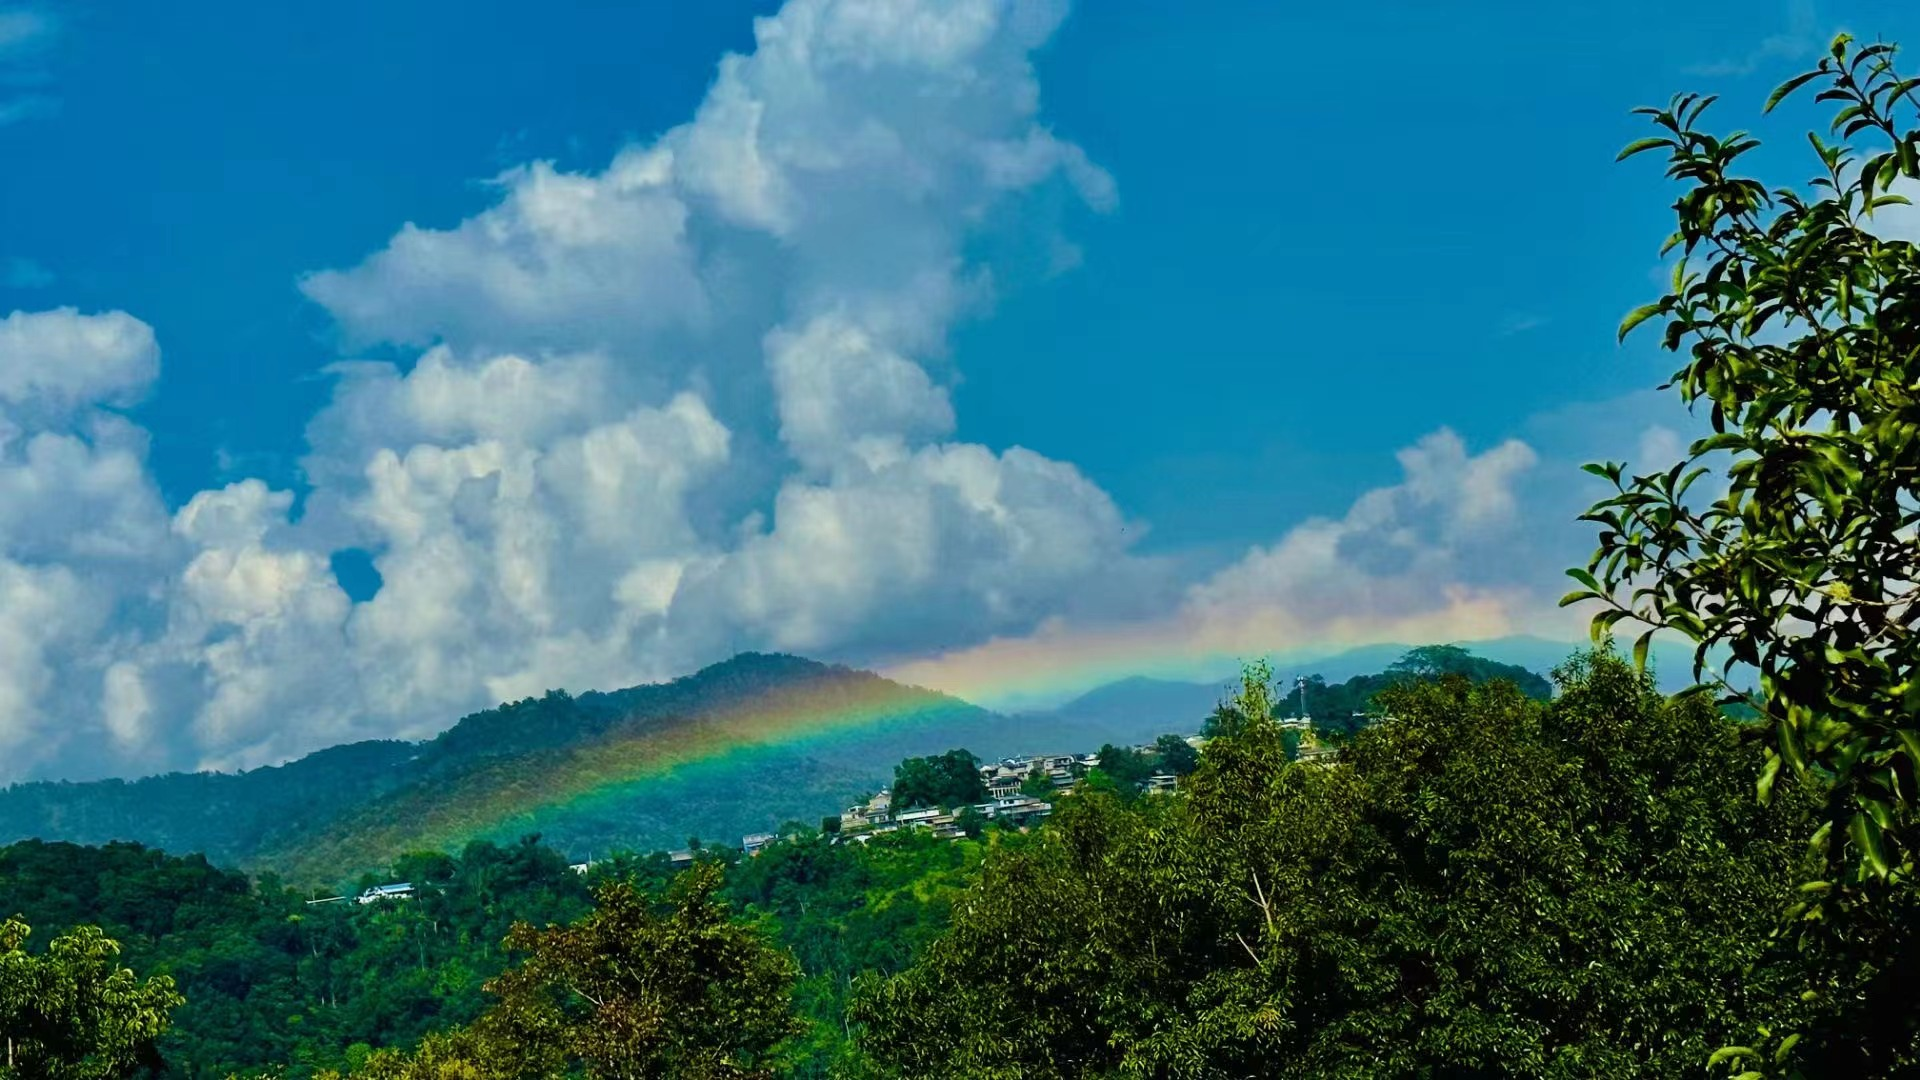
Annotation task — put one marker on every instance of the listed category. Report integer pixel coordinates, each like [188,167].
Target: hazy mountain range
[741,746]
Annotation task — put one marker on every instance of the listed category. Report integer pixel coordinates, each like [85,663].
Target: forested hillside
[1568,888]
[737,747]
[271,980]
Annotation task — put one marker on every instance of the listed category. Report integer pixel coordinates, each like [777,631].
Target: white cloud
[586,260]
[949,541]
[694,402]
[1395,548]
[64,360]
[841,393]
[84,543]
[1429,558]
[688,403]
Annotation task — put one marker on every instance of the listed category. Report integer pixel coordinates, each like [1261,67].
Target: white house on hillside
[399,891]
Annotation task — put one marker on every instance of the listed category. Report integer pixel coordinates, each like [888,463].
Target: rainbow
[605,776]
[518,792]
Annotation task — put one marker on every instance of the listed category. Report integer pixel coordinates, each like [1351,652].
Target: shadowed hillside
[742,745]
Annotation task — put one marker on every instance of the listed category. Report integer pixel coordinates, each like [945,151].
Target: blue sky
[1332,232]
[1263,303]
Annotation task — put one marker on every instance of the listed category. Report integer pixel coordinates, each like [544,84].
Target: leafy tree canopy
[73,1013]
[1799,316]
[636,989]
[950,779]
[1175,755]
[1488,885]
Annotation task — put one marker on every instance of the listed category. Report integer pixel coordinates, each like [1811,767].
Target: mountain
[1131,711]
[1671,662]
[226,816]
[742,746]
[1137,709]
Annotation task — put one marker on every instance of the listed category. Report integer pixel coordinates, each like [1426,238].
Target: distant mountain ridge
[1671,663]
[740,746]
[1135,709]
[271,817]
[1132,710]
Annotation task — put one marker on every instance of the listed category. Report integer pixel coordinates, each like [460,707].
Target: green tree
[950,779]
[637,989]
[1038,784]
[1796,312]
[1488,885]
[1250,706]
[1125,766]
[970,822]
[1432,661]
[1175,755]
[75,1013]
[1797,315]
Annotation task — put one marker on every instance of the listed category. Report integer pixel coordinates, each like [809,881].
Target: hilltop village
[1021,792]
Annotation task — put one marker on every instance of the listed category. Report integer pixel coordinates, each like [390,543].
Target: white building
[399,891]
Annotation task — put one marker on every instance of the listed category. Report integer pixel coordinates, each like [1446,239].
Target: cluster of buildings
[877,815]
[1012,788]
[1010,784]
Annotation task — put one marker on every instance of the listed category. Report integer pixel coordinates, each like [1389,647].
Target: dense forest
[274,982]
[1452,890]
[660,762]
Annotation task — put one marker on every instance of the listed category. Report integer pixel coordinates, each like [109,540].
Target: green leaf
[1639,315]
[1727,1053]
[1768,774]
[1866,836]
[1786,1047]
[1788,87]
[1640,651]
[1910,742]
[1640,146]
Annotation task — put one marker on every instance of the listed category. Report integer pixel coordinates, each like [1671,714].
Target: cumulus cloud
[694,402]
[64,360]
[83,531]
[841,395]
[1429,558]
